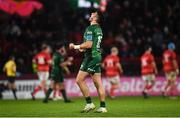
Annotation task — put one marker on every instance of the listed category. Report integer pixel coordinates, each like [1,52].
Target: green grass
[122,107]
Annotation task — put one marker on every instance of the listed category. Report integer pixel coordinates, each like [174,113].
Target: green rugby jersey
[93,33]
[56,68]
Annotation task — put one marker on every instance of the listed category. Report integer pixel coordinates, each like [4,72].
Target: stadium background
[129,25]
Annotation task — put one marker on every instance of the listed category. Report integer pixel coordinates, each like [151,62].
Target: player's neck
[94,23]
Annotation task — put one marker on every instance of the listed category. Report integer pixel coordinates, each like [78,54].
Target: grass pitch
[119,107]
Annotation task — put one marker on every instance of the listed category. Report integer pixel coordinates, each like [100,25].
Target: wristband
[77,47]
[177,70]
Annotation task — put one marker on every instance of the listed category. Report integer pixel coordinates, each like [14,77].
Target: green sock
[48,93]
[63,92]
[88,100]
[14,93]
[102,104]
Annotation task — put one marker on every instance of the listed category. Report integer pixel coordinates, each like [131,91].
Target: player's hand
[177,71]
[156,72]
[70,59]
[81,50]
[69,63]
[122,71]
[71,46]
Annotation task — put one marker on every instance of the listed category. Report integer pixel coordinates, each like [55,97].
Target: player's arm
[83,46]
[34,60]
[14,67]
[68,62]
[66,70]
[103,63]
[49,60]
[65,63]
[120,68]
[155,67]
[176,66]
[4,68]
[34,64]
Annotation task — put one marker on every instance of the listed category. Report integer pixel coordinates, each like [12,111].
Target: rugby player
[91,64]
[148,70]
[43,62]
[10,70]
[59,64]
[171,70]
[113,69]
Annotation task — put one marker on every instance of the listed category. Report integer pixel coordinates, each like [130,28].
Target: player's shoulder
[8,62]
[151,55]
[173,54]
[56,54]
[11,62]
[40,54]
[166,51]
[94,28]
[143,55]
[109,56]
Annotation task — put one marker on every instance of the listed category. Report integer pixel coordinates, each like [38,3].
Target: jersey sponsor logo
[89,37]
[92,70]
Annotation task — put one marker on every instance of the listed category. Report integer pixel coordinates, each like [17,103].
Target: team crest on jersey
[89,32]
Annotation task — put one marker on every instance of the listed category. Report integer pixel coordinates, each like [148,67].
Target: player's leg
[43,86]
[13,87]
[80,80]
[172,89]
[63,92]
[38,87]
[43,81]
[56,94]
[146,81]
[152,82]
[114,86]
[172,85]
[101,92]
[114,81]
[9,83]
[166,88]
[49,91]
[45,77]
[167,85]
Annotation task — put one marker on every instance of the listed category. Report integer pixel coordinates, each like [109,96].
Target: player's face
[48,50]
[63,51]
[12,58]
[114,51]
[93,17]
[149,50]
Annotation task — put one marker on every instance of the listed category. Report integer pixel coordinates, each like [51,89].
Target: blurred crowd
[127,24]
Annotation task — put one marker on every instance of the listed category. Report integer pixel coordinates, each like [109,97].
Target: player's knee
[78,81]
[96,85]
